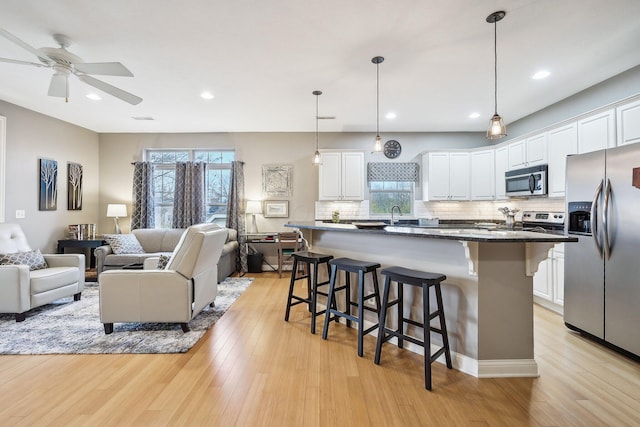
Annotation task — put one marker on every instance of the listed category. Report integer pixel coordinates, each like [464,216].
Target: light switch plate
[20,213]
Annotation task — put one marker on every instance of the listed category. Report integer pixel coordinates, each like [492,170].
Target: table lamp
[254,207]
[116,211]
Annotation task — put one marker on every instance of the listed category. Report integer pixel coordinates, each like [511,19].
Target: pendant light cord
[377,98]
[495,66]
[317,103]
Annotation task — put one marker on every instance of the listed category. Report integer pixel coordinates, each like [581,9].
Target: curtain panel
[235,213]
[143,214]
[393,171]
[189,194]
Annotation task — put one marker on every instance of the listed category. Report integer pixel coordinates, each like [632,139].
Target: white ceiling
[263,58]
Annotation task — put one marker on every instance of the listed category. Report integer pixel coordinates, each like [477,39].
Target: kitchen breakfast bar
[488,294]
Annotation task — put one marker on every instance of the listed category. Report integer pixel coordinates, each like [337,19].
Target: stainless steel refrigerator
[602,270]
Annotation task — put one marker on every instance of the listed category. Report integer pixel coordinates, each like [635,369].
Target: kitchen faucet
[393,221]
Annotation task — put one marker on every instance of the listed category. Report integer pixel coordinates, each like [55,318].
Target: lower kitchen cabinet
[548,282]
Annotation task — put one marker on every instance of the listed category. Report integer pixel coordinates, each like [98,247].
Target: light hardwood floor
[254,369]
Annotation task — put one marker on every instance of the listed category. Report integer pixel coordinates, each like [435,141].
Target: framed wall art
[276,180]
[276,209]
[48,194]
[74,186]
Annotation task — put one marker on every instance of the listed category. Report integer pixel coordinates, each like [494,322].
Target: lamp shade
[254,207]
[116,210]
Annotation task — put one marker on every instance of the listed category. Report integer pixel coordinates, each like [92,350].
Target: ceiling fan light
[497,129]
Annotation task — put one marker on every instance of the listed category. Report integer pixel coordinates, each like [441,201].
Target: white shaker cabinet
[483,177]
[628,123]
[597,132]
[501,166]
[563,141]
[341,175]
[528,152]
[447,176]
[548,282]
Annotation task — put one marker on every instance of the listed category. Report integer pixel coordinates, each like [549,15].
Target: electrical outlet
[20,213]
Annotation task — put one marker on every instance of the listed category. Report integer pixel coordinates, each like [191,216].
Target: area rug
[68,327]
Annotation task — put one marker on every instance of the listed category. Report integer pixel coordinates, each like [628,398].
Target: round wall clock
[392,149]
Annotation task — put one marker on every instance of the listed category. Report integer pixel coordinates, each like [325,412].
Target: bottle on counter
[335,216]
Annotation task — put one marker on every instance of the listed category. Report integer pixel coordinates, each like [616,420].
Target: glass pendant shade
[377,144]
[316,155]
[497,129]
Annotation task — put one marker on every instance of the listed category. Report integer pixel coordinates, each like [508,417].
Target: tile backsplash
[445,210]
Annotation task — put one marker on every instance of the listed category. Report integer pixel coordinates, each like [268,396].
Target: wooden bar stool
[360,268]
[425,280]
[308,259]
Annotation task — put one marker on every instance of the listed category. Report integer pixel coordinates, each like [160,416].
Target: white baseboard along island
[488,293]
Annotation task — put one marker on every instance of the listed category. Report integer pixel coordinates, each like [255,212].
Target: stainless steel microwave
[531,181]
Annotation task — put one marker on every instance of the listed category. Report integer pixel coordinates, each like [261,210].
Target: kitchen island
[488,294]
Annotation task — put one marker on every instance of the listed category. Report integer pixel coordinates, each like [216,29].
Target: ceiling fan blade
[59,85]
[111,90]
[103,69]
[7,35]
[15,61]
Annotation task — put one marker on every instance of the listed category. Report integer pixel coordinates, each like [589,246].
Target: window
[385,194]
[217,181]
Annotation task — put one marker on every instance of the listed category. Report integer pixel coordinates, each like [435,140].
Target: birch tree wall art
[74,186]
[48,196]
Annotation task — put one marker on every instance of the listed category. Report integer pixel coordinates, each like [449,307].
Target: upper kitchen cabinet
[597,132]
[628,123]
[483,177]
[563,141]
[528,152]
[448,176]
[501,166]
[341,175]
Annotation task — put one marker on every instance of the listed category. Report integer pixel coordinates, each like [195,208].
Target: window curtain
[393,171]
[189,194]
[143,215]
[235,213]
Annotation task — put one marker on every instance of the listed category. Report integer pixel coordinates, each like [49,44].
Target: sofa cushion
[124,244]
[33,259]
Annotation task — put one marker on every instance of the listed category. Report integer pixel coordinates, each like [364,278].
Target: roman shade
[393,171]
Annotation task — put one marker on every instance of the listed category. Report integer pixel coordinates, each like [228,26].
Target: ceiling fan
[65,63]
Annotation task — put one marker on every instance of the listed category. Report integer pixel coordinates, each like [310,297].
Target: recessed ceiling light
[391,115]
[542,74]
[206,95]
[142,118]
[94,96]
[474,115]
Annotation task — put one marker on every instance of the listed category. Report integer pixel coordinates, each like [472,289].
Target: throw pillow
[33,259]
[124,243]
[163,261]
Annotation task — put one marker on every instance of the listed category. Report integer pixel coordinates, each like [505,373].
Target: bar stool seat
[360,268]
[425,280]
[308,259]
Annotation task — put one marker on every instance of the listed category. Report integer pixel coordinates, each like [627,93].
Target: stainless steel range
[543,221]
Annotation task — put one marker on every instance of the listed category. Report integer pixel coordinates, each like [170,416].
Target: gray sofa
[162,241]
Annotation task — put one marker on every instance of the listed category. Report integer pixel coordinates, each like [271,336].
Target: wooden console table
[85,244]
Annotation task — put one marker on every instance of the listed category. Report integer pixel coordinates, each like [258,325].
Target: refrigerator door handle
[594,218]
[605,219]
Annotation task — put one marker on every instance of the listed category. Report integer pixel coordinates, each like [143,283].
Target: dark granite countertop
[458,231]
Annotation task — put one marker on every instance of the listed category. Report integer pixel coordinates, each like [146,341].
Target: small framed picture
[276,209]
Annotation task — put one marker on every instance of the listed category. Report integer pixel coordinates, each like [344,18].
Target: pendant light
[497,129]
[377,145]
[316,155]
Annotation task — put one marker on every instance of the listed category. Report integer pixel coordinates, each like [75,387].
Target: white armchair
[175,294]
[22,289]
